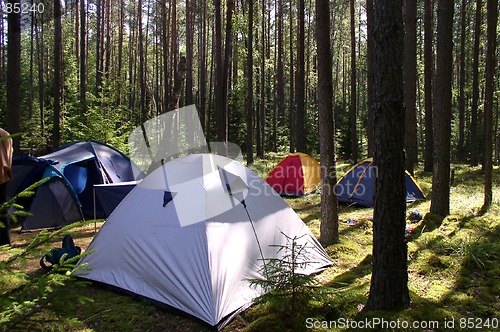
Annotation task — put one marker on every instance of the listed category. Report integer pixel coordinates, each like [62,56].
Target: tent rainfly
[357,186]
[54,204]
[191,235]
[296,175]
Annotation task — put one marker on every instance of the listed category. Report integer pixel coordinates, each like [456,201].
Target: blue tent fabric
[90,163]
[77,176]
[357,186]
[108,196]
[54,204]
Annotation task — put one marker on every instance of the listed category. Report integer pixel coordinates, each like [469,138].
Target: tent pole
[95,210]
[256,238]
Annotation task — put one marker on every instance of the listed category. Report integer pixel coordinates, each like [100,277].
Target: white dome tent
[192,234]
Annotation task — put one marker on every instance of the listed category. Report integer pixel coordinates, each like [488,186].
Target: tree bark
[203,69]
[461,95]
[83,57]
[440,202]
[475,87]
[39,36]
[300,112]
[428,85]
[142,68]
[261,127]
[370,79]
[13,115]
[389,282]
[178,83]
[410,81]
[219,75]
[352,107]
[280,68]
[164,42]
[189,52]
[249,98]
[120,49]
[32,62]
[224,125]
[329,217]
[492,18]
[174,49]
[56,131]
[98,67]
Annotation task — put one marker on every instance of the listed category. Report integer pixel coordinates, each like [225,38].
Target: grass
[453,269]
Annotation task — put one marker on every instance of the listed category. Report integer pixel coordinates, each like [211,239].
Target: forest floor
[453,271]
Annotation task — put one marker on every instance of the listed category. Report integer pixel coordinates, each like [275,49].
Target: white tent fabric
[197,252]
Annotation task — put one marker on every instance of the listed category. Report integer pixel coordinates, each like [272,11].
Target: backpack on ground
[54,256]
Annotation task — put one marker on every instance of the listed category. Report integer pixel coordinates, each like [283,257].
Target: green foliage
[27,298]
[287,290]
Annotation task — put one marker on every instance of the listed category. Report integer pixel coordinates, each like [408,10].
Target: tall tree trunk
[98,67]
[77,31]
[329,217]
[164,40]
[475,87]
[131,61]
[189,52]
[83,57]
[203,69]
[107,47]
[292,80]
[261,123]
[428,86]
[352,107]
[13,115]
[410,81]
[39,36]
[440,203]
[249,99]
[142,68]
[224,128]
[219,74]
[461,95]
[120,49]
[178,83]
[32,60]
[56,131]
[174,45]
[300,121]
[389,282]
[370,77]
[280,67]
[492,18]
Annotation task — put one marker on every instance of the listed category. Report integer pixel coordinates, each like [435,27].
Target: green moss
[453,269]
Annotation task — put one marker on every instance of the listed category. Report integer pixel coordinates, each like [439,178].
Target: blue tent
[54,204]
[357,186]
[86,164]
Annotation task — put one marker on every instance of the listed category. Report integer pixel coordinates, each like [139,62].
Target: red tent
[296,175]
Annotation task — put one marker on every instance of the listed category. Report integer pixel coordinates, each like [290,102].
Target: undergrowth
[453,267]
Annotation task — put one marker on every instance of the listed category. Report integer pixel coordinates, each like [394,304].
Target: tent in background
[296,175]
[357,186]
[192,234]
[54,203]
[85,164]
